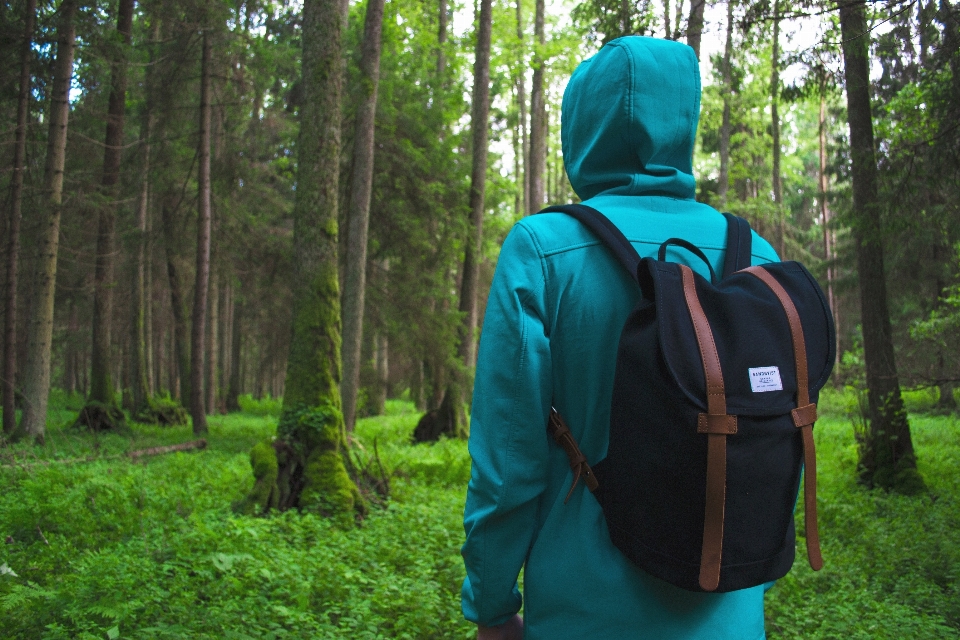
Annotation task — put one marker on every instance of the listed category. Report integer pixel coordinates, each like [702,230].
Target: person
[556,307]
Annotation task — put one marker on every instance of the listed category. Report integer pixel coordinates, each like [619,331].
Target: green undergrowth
[112,549]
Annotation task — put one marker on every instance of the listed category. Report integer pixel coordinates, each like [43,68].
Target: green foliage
[110,548]
[265,406]
[162,410]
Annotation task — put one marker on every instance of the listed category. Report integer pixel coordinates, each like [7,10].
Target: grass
[113,549]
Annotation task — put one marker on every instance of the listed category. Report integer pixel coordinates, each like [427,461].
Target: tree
[695,24]
[537,167]
[101,406]
[305,467]
[886,457]
[36,378]
[359,210]
[202,282]
[13,226]
[723,182]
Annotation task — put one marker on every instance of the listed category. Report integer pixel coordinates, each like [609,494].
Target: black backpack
[711,420]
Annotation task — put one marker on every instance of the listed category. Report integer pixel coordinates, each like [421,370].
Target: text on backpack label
[765,379]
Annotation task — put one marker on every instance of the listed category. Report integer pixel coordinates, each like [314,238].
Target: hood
[629,120]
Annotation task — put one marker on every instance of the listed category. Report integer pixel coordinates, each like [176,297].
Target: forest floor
[109,548]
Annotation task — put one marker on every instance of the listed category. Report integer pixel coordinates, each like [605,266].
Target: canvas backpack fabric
[712,414]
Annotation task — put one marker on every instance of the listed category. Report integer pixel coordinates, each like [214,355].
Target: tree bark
[181,354]
[667,26]
[775,126]
[36,379]
[886,457]
[233,394]
[523,161]
[451,411]
[479,133]
[9,375]
[304,467]
[355,282]
[828,233]
[101,383]
[202,281]
[723,183]
[538,118]
[442,19]
[695,25]
[138,351]
[213,324]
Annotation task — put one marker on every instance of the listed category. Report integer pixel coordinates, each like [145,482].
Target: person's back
[557,304]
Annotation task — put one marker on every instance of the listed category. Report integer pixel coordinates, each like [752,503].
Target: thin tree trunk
[355,281]
[523,161]
[828,240]
[723,183]
[538,115]
[695,25]
[886,458]
[679,20]
[152,379]
[667,27]
[36,379]
[181,355]
[442,19]
[139,366]
[236,346]
[213,324]
[9,375]
[202,282]
[452,407]
[101,385]
[479,132]
[775,126]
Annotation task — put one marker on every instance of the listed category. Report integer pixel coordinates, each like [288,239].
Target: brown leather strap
[578,462]
[717,425]
[803,416]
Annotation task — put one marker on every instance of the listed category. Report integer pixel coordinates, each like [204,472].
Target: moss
[328,488]
[264,495]
[162,410]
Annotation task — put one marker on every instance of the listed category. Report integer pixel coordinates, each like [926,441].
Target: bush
[265,406]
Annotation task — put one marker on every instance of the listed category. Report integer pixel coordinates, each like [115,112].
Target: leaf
[113,633]
[7,571]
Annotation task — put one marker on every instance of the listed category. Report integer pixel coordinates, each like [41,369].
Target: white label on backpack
[765,379]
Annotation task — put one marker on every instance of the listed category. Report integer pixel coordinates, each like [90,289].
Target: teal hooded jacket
[557,304]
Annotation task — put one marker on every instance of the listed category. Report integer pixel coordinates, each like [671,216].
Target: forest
[246,249]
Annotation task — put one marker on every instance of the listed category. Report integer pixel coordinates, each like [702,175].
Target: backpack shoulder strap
[739,245]
[605,230]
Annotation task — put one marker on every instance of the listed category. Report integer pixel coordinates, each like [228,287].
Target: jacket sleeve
[508,438]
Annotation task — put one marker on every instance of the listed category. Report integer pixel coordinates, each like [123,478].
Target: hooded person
[557,304]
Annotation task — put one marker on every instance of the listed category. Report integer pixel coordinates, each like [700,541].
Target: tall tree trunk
[355,281]
[695,25]
[8,379]
[148,346]
[679,20]
[442,19]
[828,233]
[213,324]
[101,384]
[479,132]
[181,354]
[311,473]
[202,282]
[538,117]
[451,411]
[886,458]
[723,183]
[775,126]
[138,348]
[523,161]
[667,26]
[36,378]
[233,393]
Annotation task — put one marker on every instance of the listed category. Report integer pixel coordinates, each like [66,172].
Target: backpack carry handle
[680,242]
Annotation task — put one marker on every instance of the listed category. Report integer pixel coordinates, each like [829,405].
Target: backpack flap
[752,335]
